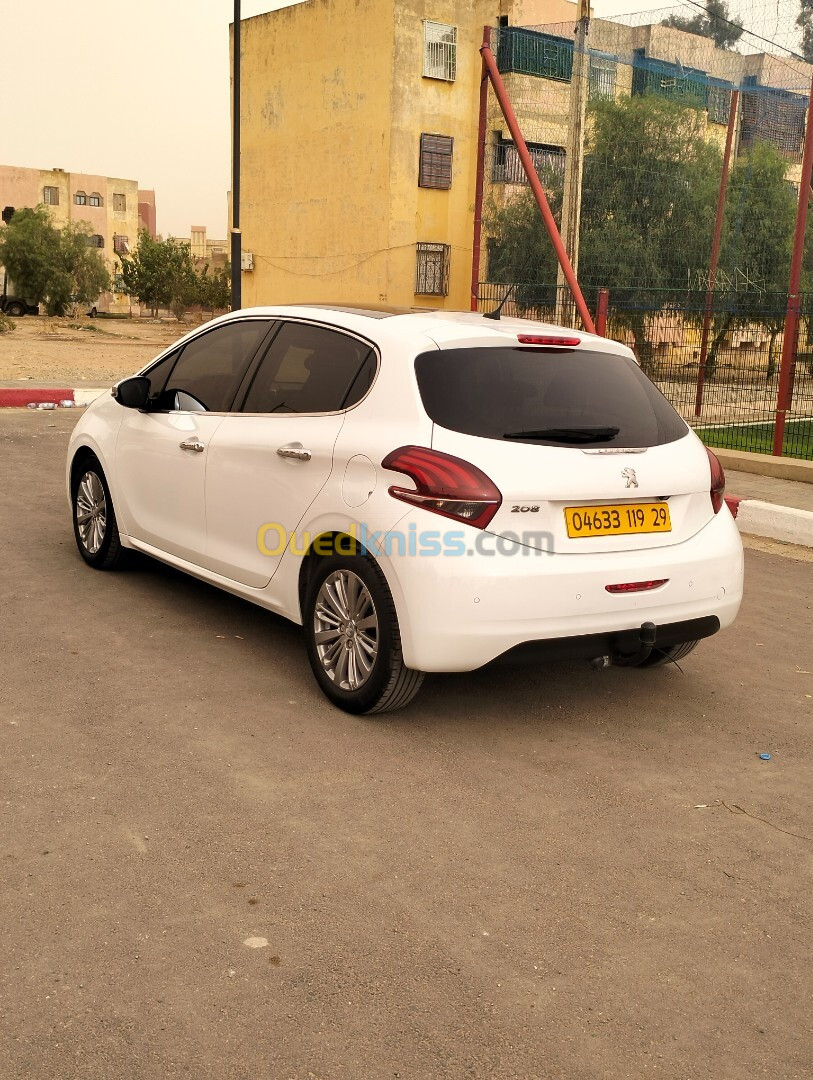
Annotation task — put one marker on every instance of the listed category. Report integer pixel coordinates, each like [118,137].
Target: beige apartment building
[359,147]
[110,205]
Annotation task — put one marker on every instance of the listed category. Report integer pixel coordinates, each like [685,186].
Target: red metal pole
[792,319]
[602,304]
[715,252]
[536,187]
[481,162]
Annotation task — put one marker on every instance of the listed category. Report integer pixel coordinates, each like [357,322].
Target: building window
[118,284]
[50,196]
[435,170]
[119,202]
[602,78]
[95,199]
[96,241]
[719,103]
[432,270]
[773,116]
[439,51]
[506,167]
[80,198]
[527,52]
[121,244]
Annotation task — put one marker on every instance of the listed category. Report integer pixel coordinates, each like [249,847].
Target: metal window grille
[602,78]
[527,52]
[432,270]
[96,240]
[506,167]
[121,244]
[95,199]
[119,202]
[774,116]
[80,198]
[435,170]
[719,104]
[50,196]
[439,51]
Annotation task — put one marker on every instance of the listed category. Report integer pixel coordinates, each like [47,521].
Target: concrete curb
[770,520]
[18,397]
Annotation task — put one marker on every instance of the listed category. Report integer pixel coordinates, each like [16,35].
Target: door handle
[299,453]
[193,444]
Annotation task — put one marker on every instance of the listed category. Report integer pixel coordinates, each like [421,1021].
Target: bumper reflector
[636,586]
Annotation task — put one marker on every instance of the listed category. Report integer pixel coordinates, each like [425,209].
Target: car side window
[159,373]
[211,367]
[311,369]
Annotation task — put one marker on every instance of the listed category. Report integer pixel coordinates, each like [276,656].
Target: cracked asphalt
[208,872]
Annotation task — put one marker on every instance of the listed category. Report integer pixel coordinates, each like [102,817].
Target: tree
[159,273]
[756,248]
[214,289]
[29,247]
[519,248]
[805,23]
[648,202]
[715,23]
[53,266]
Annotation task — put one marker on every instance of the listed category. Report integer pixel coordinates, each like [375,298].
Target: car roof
[447,329]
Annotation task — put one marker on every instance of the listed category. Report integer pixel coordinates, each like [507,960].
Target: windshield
[565,397]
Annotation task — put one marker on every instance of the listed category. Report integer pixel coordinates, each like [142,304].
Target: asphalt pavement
[206,871]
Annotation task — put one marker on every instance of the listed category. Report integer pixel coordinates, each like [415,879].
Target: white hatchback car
[421,491]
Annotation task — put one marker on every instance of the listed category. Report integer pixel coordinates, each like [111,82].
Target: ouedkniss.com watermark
[274,539]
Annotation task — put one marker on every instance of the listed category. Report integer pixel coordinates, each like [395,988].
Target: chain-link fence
[627,133]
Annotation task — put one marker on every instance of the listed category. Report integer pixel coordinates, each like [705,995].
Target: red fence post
[478,191]
[536,187]
[715,252]
[783,399]
[602,303]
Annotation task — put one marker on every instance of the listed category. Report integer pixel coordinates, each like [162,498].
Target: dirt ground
[73,351]
[533,873]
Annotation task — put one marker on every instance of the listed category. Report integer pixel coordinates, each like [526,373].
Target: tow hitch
[647,640]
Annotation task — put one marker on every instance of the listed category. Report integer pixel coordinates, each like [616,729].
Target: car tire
[94,519]
[353,639]
[16,310]
[671,654]
[92,313]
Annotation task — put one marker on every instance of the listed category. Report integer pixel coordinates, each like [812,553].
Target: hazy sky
[141,92]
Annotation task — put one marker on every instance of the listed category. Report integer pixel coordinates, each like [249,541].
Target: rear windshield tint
[564,397]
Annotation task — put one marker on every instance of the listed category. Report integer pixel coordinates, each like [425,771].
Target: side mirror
[133,393]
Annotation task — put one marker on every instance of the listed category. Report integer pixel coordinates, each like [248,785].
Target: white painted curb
[776,522]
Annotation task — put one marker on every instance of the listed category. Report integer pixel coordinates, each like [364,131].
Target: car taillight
[445,485]
[717,482]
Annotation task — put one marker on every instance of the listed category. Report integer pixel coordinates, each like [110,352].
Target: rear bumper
[458,612]
[615,644]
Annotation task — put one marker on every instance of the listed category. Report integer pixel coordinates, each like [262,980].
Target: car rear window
[564,397]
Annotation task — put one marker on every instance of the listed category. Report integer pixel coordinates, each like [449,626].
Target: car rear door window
[311,369]
[211,367]
[565,397]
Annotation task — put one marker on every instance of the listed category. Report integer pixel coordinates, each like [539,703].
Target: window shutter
[436,162]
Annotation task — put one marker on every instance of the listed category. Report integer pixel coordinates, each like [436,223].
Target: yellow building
[359,147]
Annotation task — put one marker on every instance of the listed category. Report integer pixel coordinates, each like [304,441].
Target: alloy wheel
[345,628]
[91,512]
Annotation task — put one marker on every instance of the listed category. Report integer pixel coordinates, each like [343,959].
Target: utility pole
[236,239]
[574,159]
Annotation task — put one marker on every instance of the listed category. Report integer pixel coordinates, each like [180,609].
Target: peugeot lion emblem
[630,477]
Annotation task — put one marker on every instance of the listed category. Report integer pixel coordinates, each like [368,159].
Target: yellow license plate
[621,520]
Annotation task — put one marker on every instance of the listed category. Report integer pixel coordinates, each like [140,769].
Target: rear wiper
[566,434]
